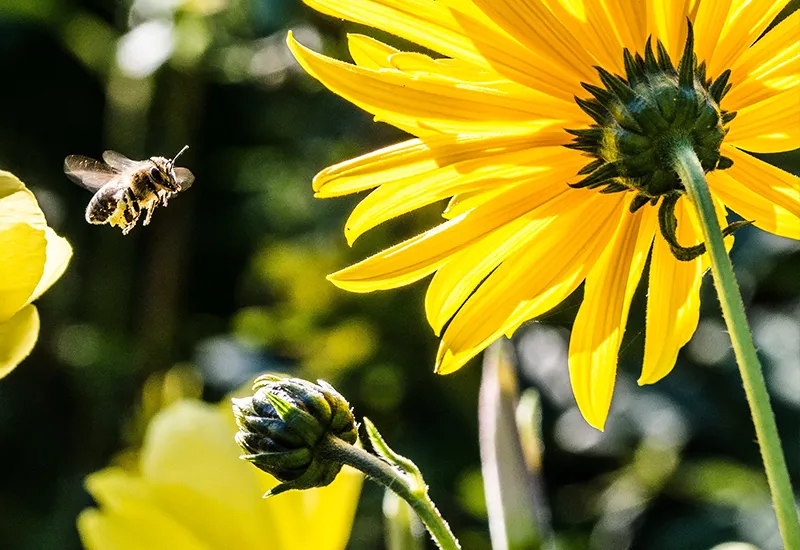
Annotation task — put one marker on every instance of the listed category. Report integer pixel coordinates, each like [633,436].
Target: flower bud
[281,425]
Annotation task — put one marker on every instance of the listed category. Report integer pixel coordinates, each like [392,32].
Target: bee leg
[133,204]
[133,208]
[165,198]
[149,214]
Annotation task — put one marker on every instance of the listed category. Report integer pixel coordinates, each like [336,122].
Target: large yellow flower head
[543,122]
[32,258]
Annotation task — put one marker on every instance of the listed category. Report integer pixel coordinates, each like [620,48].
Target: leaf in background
[513,492]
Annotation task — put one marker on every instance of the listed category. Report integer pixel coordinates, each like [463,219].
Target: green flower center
[641,117]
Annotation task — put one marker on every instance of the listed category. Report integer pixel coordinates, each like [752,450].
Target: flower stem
[693,178]
[333,448]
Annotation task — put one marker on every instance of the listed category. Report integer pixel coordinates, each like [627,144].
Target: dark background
[229,282]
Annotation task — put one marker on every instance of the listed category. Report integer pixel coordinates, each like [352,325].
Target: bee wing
[118,161]
[184,177]
[87,172]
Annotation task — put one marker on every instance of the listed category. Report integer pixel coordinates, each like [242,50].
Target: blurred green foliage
[229,282]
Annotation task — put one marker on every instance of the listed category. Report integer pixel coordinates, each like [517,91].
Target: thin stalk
[693,178]
[334,449]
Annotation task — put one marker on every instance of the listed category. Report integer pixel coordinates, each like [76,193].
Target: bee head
[162,174]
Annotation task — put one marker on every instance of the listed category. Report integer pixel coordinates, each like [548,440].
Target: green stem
[693,178]
[334,449]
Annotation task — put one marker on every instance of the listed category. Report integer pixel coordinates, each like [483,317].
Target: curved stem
[335,449]
[693,178]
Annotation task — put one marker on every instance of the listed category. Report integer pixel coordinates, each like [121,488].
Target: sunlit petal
[600,323]
[533,281]
[17,338]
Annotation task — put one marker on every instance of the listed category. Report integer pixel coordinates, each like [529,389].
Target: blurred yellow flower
[192,492]
[32,258]
[506,117]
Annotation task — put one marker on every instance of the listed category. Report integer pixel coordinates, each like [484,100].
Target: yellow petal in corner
[17,338]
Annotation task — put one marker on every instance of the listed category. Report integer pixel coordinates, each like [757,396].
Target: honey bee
[126,188]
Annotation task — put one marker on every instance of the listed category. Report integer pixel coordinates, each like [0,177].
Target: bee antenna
[172,162]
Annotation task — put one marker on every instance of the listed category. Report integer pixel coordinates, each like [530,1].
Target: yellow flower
[193,492]
[490,113]
[32,258]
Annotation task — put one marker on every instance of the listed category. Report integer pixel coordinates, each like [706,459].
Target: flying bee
[126,188]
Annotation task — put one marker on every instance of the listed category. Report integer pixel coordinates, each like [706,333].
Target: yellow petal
[667,22]
[535,26]
[771,66]
[195,429]
[600,37]
[673,302]
[395,198]
[22,260]
[420,157]
[769,126]
[319,518]
[465,107]
[457,30]
[415,258]
[673,299]
[9,184]
[464,202]
[630,19]
[58,254]
[772,183]
[709,22]
[600,323]
[368,52]
[535,279]
[22,244]
[17,337]
[745,22]
[130,521]
[424,22]
[751,206]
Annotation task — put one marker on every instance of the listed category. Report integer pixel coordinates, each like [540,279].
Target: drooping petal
[449,107]
[673,298]
[419,256]
[770,67]
[673,302]
[772,183]
[17,337]
[393,199]
[769,126]
[745,22]
[534,280]
[600,323]
[749,205]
